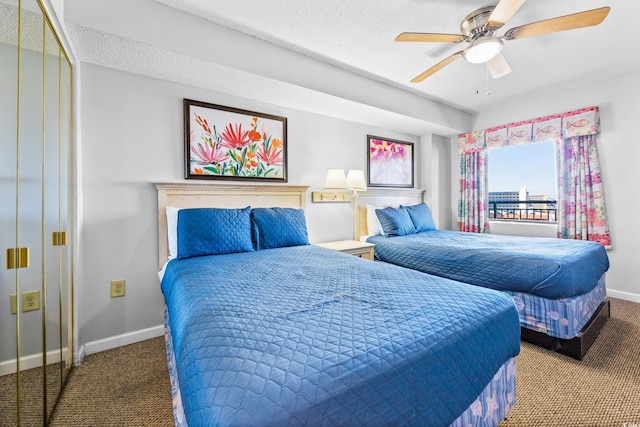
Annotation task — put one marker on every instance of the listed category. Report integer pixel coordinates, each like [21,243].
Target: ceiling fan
[479,30]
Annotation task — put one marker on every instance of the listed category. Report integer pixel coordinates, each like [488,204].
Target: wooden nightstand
[353,247]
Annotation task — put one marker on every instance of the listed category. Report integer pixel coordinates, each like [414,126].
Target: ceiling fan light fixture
[483,50]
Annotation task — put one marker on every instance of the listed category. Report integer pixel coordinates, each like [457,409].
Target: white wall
[526,229]
[152,39]
[619,152]
[132,135]
[441,177]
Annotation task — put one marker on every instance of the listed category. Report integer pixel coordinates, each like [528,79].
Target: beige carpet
[126,386]
[32,411]
[601,390]
[129,386]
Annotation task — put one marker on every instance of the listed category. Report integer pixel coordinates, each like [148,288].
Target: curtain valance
[471,142]
[585,121]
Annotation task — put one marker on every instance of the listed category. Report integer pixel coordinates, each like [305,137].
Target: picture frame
[390,162]
[229,143]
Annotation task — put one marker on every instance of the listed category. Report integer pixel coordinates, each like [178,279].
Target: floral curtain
[473,190]
[581,210]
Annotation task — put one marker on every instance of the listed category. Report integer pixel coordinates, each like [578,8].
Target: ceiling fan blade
[437,67]
[430,37]
[498,66]
[504,11]
[561,23]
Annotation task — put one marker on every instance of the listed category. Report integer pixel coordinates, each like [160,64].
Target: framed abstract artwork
[390,162]
[229,143]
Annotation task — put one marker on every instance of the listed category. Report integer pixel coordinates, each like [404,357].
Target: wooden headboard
[383,197]
[190,195]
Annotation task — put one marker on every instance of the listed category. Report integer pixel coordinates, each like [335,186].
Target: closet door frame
[39,256]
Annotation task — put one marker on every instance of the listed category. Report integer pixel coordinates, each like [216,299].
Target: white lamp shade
[355,180]
[498,66]
[483,50]
[335,179]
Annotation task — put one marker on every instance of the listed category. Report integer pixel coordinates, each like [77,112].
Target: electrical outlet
[14,303]
[30,301]
[117,288]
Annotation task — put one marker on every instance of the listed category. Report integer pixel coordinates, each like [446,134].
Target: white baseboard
[120,340]
[627,296]
[34,361]
[31,361]
[79,357]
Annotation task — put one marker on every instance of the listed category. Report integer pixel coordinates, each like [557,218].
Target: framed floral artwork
[229,143]
[390,162]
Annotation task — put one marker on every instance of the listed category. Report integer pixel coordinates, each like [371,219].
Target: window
[522,182]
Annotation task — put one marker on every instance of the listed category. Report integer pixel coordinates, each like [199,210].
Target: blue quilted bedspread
[549,268]
[306,335]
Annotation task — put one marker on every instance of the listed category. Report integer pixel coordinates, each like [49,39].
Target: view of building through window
[522,182]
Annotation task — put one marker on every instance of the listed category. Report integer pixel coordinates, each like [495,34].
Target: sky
[530,165]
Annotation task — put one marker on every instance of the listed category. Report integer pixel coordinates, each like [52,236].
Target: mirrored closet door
[35,278]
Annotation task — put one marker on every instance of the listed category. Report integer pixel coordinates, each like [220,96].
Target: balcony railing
[529,210]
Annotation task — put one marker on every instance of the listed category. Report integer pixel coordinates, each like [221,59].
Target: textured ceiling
[358,35]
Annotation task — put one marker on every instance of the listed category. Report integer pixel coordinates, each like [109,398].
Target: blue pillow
[278,227]
[421,217]
[395,221]
[212,231]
